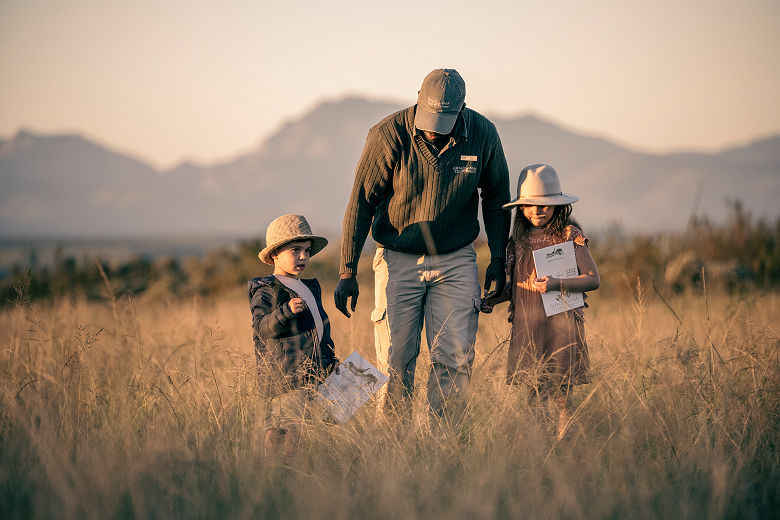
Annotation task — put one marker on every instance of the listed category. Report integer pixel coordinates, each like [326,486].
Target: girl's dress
[545,352]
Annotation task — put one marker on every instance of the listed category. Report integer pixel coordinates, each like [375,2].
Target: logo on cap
[438,104]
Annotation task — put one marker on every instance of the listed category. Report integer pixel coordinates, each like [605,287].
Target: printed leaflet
[344,393]
[558,261]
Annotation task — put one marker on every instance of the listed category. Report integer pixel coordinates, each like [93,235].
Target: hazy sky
[167,80]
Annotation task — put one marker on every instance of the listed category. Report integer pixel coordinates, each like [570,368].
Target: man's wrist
[343,276]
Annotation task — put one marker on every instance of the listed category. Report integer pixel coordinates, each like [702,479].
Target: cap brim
[317,245]
[553,200]
[439,122]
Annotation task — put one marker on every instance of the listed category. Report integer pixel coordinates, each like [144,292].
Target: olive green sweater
[417,202]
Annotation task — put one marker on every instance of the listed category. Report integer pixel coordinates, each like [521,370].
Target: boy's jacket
[286,344]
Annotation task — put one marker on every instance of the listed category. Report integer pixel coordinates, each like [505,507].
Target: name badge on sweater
[468,158]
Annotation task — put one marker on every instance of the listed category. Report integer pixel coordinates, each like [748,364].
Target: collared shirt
[459,131]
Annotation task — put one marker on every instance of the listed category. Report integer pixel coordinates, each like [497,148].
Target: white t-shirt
[301,290]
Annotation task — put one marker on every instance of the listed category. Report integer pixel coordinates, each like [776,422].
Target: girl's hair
[560,219]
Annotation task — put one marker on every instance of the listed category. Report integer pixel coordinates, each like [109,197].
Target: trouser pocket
[381,337]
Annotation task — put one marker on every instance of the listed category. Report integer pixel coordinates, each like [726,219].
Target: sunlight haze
[203,81]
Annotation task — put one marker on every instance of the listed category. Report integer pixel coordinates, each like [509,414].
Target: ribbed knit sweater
[416,202]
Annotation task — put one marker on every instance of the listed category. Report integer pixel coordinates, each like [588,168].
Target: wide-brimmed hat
[289,228]
[442,95]
[538,185]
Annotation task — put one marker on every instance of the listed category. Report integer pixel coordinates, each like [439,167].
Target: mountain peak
[20,143]
[67,184]
[24,133]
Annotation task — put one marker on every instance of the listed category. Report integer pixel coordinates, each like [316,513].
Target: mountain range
[69,186]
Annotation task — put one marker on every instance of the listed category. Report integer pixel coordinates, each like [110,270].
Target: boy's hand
[296,305]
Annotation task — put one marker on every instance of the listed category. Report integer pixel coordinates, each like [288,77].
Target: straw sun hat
[538,185]
[289,228]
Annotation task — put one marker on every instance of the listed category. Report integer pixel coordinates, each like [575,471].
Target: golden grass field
[148,408]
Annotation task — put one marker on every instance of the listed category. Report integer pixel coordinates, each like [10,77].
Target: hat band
[537,196]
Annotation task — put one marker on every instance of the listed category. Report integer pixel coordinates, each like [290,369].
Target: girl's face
[538,216]
[291,259]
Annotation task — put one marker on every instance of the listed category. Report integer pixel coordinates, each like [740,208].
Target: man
[417,188]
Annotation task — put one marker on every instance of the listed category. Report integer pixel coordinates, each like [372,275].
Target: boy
[291,331]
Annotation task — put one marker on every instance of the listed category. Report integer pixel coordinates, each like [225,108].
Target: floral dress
[544,352]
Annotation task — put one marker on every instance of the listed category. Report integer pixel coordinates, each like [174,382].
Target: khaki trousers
[440,291]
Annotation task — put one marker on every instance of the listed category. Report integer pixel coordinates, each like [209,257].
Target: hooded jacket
[287,346]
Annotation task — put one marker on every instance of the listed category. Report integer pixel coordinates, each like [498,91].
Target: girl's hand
[297,305]
[545,283]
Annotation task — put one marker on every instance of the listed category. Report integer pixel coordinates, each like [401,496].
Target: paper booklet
[344,393]
[558,261]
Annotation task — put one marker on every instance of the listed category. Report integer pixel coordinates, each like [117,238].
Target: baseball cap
[439,101]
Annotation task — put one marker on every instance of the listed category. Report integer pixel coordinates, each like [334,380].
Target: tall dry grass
[149,408]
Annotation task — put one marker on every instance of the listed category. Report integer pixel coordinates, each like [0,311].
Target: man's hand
[489,301]
[487,305]
[346,289]
[495,273]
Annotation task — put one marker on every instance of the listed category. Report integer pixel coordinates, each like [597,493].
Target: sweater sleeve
[494,186]
[372,177]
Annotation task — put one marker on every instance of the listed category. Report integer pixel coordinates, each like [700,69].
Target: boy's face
[291,259]
[538,216]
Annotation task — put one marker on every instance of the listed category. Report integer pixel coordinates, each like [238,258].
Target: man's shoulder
[477,121]
[395,121]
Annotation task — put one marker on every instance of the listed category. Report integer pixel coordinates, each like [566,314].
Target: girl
[547,353]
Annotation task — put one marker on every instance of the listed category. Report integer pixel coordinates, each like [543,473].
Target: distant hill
[65,185]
